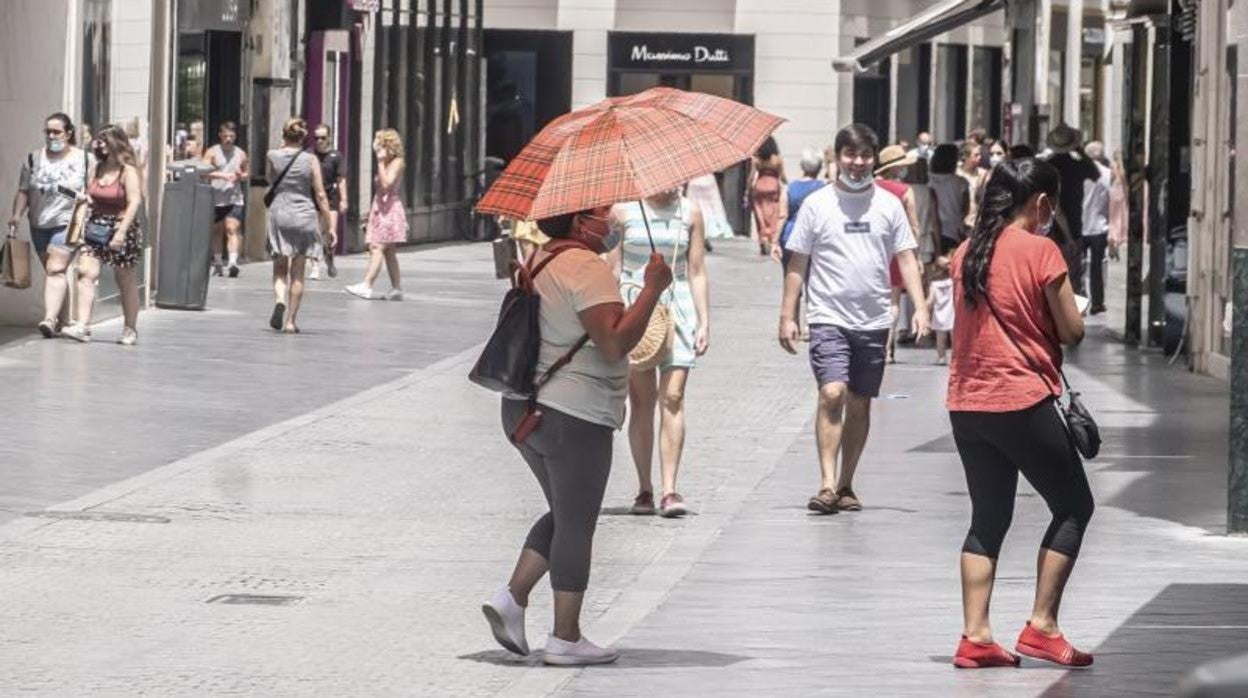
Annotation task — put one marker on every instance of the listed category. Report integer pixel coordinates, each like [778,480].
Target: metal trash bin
[185,253]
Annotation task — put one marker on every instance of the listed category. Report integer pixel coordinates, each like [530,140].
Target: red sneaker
[974,655]
[1056,649]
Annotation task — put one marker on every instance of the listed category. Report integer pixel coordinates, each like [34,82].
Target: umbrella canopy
[625,149]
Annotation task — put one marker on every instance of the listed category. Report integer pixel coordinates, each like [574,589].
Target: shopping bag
[15,270]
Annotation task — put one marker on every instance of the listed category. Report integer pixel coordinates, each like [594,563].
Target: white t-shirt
[1096,203]
[589,387]
[851,238]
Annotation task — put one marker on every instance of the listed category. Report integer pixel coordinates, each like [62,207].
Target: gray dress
[294,226]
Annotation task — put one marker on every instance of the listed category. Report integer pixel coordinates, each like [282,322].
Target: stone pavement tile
[784,603]
[390,514]
[83,416]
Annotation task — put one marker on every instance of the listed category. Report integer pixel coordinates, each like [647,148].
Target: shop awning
[935,20]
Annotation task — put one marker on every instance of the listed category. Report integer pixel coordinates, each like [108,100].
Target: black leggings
[571,459]
[995,447]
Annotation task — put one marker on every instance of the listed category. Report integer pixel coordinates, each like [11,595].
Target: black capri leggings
[995,447]
[571,459]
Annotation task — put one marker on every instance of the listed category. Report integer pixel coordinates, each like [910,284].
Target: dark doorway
[528,84]
[873,97]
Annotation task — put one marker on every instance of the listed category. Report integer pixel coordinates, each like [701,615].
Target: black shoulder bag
[509,361]
[1083,431]
[272,192]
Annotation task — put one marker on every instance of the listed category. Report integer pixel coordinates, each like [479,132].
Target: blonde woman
[295,219]
[387,219]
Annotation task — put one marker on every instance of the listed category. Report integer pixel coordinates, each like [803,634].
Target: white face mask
[56,145]
[854,184]
[995,160]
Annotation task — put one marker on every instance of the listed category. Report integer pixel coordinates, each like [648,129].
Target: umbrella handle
[645,219]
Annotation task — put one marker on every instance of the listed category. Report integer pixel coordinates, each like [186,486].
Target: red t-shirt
[897,189]
[987,372]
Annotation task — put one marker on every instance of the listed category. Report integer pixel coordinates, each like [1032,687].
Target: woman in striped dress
[679,235]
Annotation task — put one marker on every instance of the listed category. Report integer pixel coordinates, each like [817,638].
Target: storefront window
[986,70]
[949,115]
[96,63]
[914,91]
[1089,88]
[1224,326]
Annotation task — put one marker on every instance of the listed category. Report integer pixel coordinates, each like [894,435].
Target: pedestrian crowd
[965,233]
[84,208]
[982,245]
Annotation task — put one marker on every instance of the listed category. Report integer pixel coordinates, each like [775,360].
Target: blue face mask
[56,145]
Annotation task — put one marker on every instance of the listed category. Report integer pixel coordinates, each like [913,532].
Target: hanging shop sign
[693,52]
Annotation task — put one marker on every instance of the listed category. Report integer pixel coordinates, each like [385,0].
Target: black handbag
[98,233]
[508,363]
[1080,425]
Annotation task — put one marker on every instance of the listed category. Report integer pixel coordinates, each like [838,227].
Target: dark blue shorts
[853,357]
[220,213]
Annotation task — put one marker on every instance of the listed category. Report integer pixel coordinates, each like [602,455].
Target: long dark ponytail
[1010,186]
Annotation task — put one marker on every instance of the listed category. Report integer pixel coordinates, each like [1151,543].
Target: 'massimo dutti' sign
[668,51]
[700,54]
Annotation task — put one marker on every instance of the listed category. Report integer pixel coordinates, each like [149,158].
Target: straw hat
[1063,139]
[892,157]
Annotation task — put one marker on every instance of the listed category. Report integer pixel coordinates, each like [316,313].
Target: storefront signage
[696,52]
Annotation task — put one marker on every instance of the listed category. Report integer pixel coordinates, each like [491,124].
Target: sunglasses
[54,132]
[322,138]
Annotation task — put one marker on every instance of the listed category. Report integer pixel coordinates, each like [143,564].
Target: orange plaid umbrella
[625,149]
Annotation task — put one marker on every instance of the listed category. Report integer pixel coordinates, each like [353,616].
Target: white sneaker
[506,619]
[395,294]
[78,333]
[360,290]
[128,338]
[579,653]
[315,272]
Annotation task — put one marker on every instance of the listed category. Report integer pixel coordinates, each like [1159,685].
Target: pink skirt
[387,221]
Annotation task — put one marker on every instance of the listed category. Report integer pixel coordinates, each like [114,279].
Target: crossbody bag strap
[282,175]
[1027,357]
[580,343]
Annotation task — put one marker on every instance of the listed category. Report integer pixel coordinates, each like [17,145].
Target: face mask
[996,160]
[854,184]
[1047,227]
[56,145]
[592,231]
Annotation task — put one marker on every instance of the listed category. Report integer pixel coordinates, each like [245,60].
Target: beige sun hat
[892,157]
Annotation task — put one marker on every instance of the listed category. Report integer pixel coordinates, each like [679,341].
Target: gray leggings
[571,459]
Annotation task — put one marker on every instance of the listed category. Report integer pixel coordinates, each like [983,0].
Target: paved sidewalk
[359,532]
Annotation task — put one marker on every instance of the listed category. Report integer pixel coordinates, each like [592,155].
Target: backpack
[508,364]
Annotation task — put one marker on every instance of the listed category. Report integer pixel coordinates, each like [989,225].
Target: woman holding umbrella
[622,149]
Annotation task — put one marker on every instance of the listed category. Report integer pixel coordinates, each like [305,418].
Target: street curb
[25,525]
[652,586]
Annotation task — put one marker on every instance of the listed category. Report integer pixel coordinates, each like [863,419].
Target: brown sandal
[824,502]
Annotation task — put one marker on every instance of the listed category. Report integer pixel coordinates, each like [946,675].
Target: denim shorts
[42,237]
[220,213]
[853,357]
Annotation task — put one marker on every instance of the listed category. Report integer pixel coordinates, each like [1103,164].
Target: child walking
[940,307]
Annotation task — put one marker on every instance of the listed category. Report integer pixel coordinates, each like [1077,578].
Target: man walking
[1074,167]
[1096,225]
[230,171]
[334,176]
[843,240]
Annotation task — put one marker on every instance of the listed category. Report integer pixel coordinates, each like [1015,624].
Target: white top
[589,387]
[47,207]
[941,292]
[851,237]
[1096,203]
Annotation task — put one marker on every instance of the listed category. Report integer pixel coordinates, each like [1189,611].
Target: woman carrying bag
[111,235]
[1015,307]
[675,224]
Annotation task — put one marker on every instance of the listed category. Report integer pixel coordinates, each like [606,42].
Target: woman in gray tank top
[294,222]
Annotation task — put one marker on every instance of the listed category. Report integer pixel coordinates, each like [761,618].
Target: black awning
[935,20]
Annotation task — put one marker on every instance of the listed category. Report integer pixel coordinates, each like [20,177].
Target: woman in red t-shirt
[1015,307]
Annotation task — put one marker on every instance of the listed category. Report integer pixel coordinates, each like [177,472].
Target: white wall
[33,39]
[131,60]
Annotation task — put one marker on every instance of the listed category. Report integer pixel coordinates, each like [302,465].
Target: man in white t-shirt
[843,240]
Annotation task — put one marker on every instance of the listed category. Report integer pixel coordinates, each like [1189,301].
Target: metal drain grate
[114,516]
[255,599]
